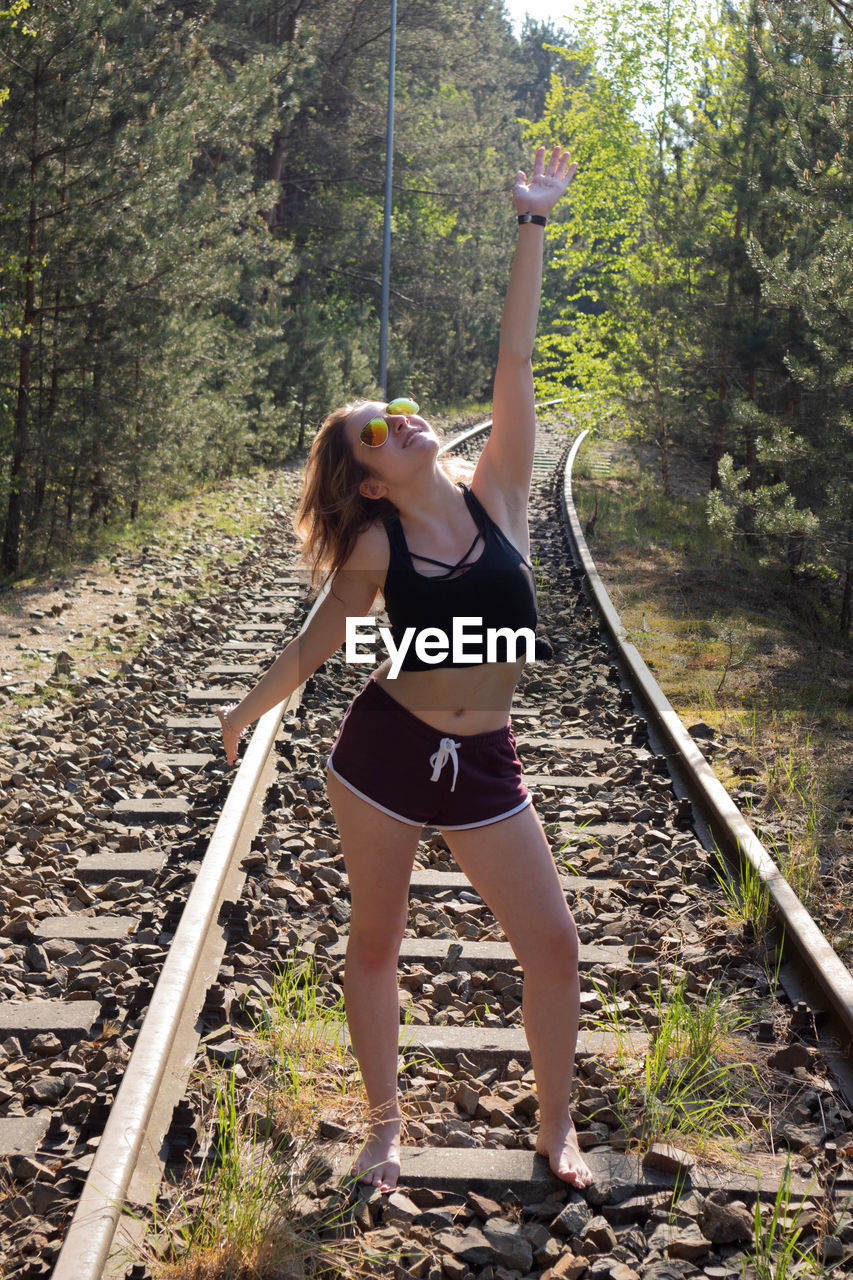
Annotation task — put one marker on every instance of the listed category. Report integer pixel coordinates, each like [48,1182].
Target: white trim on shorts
[391,814]
[463,826]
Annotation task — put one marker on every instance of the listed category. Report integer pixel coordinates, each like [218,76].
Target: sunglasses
[375,432]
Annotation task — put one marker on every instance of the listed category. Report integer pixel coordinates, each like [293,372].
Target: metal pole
[386,238]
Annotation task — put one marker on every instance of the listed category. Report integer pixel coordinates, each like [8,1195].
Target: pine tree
[131,227]
[807,57]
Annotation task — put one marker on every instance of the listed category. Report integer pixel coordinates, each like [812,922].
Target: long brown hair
[332,512]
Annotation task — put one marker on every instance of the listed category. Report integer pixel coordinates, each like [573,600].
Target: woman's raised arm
[507,459]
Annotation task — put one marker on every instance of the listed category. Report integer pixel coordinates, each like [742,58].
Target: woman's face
[409,437]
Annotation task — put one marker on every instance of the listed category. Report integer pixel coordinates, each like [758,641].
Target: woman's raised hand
[550,180]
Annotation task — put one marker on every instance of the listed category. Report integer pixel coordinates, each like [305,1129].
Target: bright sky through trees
[542,10]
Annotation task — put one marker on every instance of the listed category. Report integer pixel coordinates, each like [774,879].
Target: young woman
[429,741]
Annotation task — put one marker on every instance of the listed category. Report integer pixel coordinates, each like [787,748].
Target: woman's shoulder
[371,552]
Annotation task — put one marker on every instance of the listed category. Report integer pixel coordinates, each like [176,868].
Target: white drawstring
[446,751]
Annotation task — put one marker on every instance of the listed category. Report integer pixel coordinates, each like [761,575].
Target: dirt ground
[80,620]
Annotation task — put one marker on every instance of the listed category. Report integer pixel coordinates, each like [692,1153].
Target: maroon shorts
[419,774]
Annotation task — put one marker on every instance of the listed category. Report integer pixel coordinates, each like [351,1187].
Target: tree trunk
[663,444]
[137,450]
[844,617]
[751,436]
[69,499]
[303,398]
[46,442]
[97,485]
[660,420]
[718,446]
[11,555]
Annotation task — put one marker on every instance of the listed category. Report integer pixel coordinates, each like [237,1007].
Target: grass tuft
[302,1035]
[694,1085]
[247,1213]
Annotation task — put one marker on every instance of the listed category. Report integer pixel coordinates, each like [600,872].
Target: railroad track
[160,936]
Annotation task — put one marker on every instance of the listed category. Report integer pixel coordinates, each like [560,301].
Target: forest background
[190,241]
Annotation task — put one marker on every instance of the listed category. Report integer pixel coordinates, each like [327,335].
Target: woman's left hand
[550,181]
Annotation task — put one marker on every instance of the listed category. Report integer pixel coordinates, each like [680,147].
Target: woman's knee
[375,944]
[553,951]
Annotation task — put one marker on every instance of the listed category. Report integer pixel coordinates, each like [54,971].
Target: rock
[399,1208]
[47,1091]
[686,1242]
[599,1235]
[425,1197]
[790,1057]
[499,1118]
[27,1169]
[800,1137]
[483,1206]
[490,1104]
[667,1158]
[461,1138]
[467,1099]
[621,1271]
[568,1267]
[469,1245]
[571,1220]
[725,1221]
[527,1105]
[509,1244]
[663,1269]
[605,1269]
[536,1233]
[454,1268]
[46,1045]
[612,1189]
[546,1255]
[37,958]
[636,1208]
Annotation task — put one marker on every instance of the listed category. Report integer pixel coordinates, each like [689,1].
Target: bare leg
[510,865]
[378,851]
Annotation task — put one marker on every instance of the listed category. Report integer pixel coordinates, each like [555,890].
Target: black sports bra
[498,588]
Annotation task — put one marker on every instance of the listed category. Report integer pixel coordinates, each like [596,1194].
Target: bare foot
[564,1156]
[378,1162]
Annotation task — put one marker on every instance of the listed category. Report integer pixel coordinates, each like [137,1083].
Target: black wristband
[538,218]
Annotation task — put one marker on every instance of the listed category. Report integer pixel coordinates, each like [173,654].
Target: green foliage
[765,513]
[132,232]
[617,329]
[700,288]
[240,1216]
[191,238]
[690,1083]
[746,897]
[777,1252]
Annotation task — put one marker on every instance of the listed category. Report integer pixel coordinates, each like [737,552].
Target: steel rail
[728,825]
[85,1249]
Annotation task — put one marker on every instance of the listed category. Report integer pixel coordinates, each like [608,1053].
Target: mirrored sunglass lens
[402,405]
[374,433]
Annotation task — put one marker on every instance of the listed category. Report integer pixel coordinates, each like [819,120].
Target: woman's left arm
[506,463]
